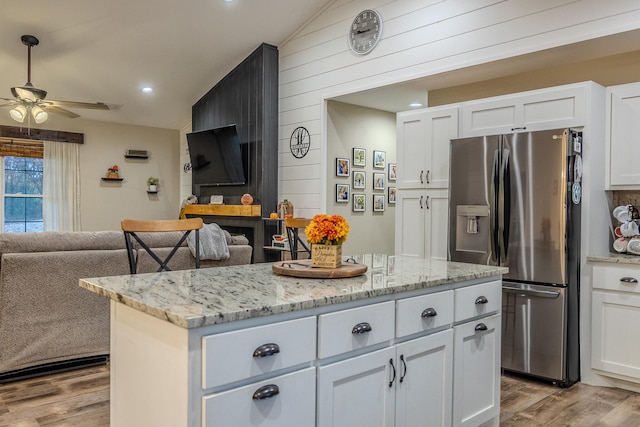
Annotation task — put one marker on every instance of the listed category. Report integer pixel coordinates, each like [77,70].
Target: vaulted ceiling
[107,51]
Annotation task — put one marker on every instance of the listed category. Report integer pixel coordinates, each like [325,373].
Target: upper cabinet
[622,130]
[423,147]
[528,111]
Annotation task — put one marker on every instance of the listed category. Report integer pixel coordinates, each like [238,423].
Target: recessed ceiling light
[147,89]
[415,104]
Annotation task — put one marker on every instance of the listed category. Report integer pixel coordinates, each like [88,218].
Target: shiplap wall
[420,38]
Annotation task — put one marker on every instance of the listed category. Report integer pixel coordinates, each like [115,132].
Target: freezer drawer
[534,325]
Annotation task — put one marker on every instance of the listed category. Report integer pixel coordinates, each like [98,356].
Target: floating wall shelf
[104,178]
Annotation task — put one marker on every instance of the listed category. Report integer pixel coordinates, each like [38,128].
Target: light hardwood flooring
[80,398]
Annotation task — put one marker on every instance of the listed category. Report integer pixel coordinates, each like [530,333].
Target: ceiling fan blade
[59,111]
[75,104]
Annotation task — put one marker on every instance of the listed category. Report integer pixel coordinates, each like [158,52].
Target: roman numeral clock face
[365,32]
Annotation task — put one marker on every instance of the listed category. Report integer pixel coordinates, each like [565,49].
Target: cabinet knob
[266,392]
[361,328]
[429,312]
[266,350]
[629,280]
[482,300]
[481,327]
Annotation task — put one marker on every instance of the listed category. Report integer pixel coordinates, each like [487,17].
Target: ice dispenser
[472,228]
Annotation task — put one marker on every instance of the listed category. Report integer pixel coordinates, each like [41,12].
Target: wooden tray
[303,268]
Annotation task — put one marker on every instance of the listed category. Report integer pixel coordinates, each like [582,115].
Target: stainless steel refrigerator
[514,200]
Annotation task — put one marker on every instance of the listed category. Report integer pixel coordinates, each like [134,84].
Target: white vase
[153,188]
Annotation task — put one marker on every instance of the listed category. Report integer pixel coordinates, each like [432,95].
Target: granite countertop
[615,258]
[208,296]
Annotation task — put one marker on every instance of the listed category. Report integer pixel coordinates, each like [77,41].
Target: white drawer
[229,357]
[419,314]
[336,332]
[292,405]
[617,277]
[477,300]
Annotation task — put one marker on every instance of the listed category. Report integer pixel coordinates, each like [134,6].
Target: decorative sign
[300,142]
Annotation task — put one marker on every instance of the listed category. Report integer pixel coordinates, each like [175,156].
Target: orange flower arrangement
[327,230]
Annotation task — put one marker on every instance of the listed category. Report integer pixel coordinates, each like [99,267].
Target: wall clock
[299,142]
[365,32]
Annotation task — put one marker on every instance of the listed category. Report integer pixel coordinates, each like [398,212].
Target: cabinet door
[424,383]
[623,125]
[410,223]
[436,234]
[357,391]
[476,371]
[613,349]
[412,149]
[423,147]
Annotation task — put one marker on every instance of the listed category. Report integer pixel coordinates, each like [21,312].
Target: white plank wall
[420,38]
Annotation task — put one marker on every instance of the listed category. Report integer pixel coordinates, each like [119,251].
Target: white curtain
[61,187]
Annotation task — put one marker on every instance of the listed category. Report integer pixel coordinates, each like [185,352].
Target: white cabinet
[357,391]
[421,223]
[476,367]
[424,381]
[284,401]
[477,340]
[622,129]
[423,147]
[550,108]
[615,349]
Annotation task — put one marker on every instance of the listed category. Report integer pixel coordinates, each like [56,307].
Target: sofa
[47,322]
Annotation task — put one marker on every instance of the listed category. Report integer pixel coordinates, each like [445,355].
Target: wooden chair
[131,227]
[293,225]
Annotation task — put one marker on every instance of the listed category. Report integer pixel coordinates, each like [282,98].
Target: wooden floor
[81,398]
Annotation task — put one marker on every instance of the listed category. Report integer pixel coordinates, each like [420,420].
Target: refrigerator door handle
[504,197]
[492,207]
[530,292]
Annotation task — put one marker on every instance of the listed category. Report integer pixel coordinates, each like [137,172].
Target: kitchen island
[242,346]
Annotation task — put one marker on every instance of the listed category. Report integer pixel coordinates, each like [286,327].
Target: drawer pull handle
[361,328]
[482,300]
[404,366]
[629,280]
[429,312]
[266,392]
[266,350]
[481,327]
[394,373]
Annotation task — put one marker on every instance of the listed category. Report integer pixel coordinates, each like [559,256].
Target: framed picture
[393,169]
[359,202]
[391,197]
[379,159]
[342,167]
[359,157]
[359,179]
[342,193]
[378,181]
[378,202]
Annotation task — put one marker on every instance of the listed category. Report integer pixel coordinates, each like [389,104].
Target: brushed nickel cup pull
[482,300]
[266,392]
[481,327]
[429,312]
[266,350]
[361,328]
[629,280]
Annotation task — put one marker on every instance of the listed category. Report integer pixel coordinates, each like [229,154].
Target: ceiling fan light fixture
[39,115]
[18,113]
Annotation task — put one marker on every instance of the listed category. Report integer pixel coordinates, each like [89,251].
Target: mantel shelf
[224,210]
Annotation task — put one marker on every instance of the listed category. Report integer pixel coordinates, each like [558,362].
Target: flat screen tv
[216,157]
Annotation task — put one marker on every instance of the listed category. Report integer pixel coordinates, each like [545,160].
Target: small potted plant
[152,182]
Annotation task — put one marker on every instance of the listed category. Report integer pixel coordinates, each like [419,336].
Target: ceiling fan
[29,101]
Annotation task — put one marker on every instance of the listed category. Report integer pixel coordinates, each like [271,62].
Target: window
[22,194]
